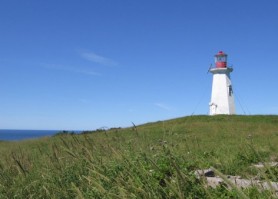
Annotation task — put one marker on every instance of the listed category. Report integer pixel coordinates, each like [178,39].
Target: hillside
[155,160]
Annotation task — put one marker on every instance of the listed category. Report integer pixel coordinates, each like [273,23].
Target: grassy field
[155,160]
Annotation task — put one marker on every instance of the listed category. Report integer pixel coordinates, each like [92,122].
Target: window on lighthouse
[230,90]
[221,59]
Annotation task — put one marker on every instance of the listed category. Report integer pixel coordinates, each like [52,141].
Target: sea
[17,135]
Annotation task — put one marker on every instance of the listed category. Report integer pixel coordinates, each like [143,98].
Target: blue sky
[89,64]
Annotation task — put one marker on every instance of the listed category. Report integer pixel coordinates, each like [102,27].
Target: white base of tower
[222,96]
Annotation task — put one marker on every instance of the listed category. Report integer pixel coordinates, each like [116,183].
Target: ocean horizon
[17,135]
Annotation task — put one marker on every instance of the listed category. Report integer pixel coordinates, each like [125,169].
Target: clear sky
[80,65]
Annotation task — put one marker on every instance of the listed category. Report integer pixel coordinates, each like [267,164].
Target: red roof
[221,53]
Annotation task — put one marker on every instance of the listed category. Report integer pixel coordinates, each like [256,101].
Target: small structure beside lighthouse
[222,96]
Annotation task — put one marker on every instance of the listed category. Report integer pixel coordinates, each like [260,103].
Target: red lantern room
[221,60]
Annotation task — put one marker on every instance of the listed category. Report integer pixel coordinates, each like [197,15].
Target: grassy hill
[155,160]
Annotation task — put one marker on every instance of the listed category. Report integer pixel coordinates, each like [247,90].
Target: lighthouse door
[213,108]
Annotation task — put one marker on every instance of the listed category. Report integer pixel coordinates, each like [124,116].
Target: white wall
[222,99]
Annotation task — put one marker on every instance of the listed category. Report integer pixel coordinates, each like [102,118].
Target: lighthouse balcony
[221,70]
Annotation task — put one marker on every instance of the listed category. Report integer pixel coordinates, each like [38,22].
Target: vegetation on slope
[155,160]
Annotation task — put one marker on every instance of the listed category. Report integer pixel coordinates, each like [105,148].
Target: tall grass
[156,160]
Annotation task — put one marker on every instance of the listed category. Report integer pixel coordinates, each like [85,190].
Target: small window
[230,90]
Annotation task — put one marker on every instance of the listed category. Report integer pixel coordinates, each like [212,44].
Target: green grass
[155,160]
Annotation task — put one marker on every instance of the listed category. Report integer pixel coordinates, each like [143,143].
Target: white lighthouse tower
[222,96]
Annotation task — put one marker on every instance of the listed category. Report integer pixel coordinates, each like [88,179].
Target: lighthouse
[222,95]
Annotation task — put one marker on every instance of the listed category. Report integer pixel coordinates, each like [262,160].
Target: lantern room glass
[221,58]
